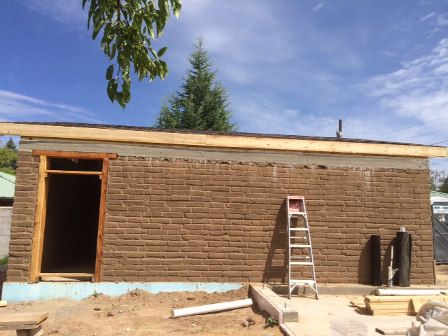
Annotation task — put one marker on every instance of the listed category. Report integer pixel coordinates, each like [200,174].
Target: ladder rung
[301,263]
[291,214]
[300,245]
[309,282]
[299,229]
[300,257]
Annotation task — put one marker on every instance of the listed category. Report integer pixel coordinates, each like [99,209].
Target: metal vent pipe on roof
[339,132]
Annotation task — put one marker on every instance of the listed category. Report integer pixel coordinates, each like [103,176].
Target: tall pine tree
[202,103]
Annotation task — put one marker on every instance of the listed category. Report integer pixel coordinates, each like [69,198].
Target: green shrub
[4,260]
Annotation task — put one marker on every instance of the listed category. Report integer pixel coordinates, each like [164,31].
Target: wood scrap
[12,319]
[391,331]
[358,303]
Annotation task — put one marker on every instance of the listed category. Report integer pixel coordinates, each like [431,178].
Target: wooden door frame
[41,208]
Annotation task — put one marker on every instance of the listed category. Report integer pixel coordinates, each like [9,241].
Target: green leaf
[112,90]
[177,5]
[110,72]
[162,51]
[153,52]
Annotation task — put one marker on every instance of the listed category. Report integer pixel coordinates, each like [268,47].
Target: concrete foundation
[22,291]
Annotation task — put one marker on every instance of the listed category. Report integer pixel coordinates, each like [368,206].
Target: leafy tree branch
[128,29]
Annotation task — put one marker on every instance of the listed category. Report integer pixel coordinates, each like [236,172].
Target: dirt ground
[442,275]
[140,313]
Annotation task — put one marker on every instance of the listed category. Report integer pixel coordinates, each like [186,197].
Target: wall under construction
[178,214]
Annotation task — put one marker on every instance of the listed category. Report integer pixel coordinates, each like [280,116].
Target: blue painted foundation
[22,291]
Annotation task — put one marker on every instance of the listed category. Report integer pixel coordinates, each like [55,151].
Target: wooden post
[39,221]
[101,220]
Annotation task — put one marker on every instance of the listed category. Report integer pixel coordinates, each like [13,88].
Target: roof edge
[219,140]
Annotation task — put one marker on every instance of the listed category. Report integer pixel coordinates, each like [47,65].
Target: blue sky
[291,67]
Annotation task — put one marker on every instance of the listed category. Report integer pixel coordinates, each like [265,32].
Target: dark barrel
[403,246]
[375,246]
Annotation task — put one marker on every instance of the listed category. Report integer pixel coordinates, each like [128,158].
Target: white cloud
[318,7]
[15,106]
[66,11]
[442,20]
[418,90]
[426,17]
[262,113]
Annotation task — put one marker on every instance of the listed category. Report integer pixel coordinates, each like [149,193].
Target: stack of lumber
[399,305]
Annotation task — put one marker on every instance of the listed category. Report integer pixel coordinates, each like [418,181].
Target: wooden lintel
[75,155]
[257,142]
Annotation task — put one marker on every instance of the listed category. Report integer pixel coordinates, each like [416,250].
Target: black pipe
[375,246]
[404,246]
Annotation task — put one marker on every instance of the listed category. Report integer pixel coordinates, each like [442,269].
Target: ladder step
[293,214]
[301,263]
[300,245]
[299,229]
[307,282]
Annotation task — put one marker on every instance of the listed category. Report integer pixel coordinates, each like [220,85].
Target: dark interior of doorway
[71,225]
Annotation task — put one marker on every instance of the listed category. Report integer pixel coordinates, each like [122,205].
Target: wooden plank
[3,303]
[392,331]
[419,302]
[67,275]
[101,220]
[21,327]
[39,221]
[58,279]
[393,298]
[75,155]
[73,172]
[14,319]
[220,140]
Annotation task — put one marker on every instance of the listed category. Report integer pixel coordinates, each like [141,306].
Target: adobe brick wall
[203,220]
[190,220]
[23,217]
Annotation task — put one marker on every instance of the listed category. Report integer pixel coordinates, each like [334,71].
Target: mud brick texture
[224,221]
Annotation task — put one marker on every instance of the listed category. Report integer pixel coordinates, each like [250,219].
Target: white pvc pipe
[389,291]
[211,308]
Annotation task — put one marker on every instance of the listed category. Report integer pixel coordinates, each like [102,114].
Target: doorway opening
[70,211]
[71,226]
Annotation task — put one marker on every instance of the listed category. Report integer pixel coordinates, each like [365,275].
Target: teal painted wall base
[22,291]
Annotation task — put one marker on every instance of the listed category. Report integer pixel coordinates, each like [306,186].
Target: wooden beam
[101,220]
[59,279]
[66,275]
[73,172]
[75,155]
[39,221]
[219,140]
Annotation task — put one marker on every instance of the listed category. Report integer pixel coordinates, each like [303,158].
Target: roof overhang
[212,140]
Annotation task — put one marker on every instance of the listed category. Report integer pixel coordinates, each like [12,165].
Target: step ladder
[300,250]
